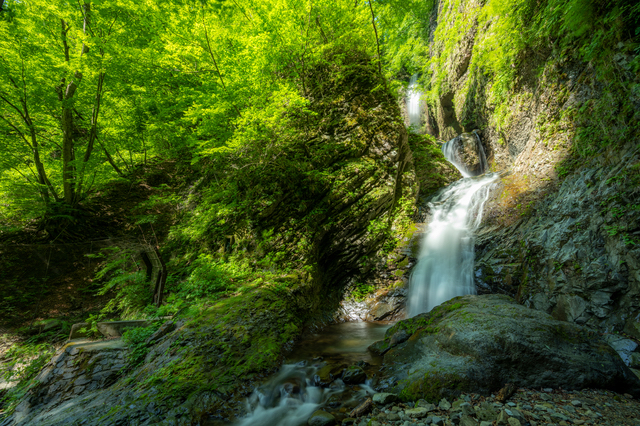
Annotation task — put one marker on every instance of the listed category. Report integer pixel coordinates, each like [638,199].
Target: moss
[426,321]
[433,386]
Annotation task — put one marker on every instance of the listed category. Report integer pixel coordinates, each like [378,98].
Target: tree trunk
[68,169]
[162,279]
[93,133]
[110,160]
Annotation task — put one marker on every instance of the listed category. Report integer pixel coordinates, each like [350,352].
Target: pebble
[526,407]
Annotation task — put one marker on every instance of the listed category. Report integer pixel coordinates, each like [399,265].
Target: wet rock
[354,375]
[362,409]
[329,373]
[478,343]
[465,149]
[560,257]
[321,418]
[384,398]
[399,337]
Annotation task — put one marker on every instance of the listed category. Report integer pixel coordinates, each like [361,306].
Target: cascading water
[413,103]
[445,266]
[290,397]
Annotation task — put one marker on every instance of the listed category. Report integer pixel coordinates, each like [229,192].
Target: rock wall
[565,256]
[77,370]
[561,232]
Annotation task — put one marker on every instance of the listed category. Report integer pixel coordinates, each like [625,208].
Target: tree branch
[215,63]
[373,22]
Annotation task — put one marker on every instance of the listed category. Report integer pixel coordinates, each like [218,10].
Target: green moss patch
[434,386]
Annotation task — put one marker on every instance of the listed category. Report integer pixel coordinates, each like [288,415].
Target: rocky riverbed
[525,407]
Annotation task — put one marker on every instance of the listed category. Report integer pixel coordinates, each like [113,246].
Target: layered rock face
[480,343]
[572,255]
[77,369]
[562,232]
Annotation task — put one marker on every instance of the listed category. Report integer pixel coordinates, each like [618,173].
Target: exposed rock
[76,332]
[329,373]
[116,328]
[354,375]
[478,343]
[417,412]
[465,150]
[444,404]
[362,409]
[505,393]
[321,418]
[486,411]
[562,259]
[384,398]
[622,345]
[77,367]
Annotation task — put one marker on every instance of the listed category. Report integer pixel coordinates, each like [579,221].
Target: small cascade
[467,154]
[413,103]
[300,388]
[445,266]
[294,394]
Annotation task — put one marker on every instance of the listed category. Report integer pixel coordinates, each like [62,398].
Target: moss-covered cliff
[554,89]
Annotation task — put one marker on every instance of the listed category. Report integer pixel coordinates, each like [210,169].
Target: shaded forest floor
[48,276]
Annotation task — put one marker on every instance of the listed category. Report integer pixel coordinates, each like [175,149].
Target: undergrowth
[22,363]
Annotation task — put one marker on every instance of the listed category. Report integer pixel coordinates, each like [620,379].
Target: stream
[316,374]
[305,383]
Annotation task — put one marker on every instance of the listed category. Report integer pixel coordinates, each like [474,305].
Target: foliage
[180,80]
[620,212]
[136,340]
[121,274]
[22,362]
[360,291]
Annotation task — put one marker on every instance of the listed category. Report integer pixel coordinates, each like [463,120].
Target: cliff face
[562,231]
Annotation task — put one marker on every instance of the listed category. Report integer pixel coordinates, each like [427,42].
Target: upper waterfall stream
[413,103]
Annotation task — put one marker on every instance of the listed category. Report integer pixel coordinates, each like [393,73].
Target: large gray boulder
[479,343]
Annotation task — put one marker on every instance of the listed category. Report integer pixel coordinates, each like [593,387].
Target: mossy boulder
[479,343]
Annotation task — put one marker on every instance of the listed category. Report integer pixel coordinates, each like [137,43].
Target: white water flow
[290,397]
[445,265]
[413,103]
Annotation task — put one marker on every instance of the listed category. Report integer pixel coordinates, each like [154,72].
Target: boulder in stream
[480,343]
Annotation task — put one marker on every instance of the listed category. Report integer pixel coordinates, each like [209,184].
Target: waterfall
[413,103]
[445,265]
